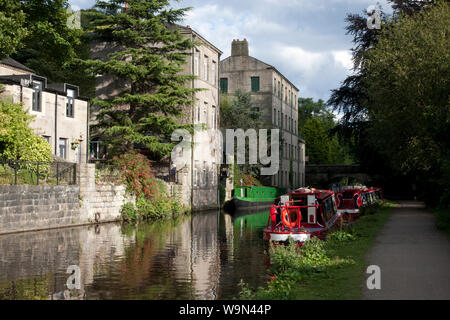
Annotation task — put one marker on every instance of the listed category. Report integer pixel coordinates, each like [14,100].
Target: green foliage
[408,78]
[128,212]
[12,27]
[137,174]
[150,62]
[239,111]
[248,179]
[49,45]
[321,269]
[153,201]
[17,140]
[316,127]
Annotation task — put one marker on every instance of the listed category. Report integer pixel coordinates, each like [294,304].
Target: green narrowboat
[254,198]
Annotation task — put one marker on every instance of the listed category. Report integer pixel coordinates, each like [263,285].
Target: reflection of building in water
[161,260]
[99,248]
[197,256]
[229,235]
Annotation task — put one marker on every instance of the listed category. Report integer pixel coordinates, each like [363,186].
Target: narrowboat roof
[319,193]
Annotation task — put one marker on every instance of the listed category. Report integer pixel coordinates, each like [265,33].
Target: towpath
[413,256]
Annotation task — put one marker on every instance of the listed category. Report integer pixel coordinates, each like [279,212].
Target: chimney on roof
[188,26]
[239,48]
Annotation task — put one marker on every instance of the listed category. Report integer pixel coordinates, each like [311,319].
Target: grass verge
[330,269]
[443,220]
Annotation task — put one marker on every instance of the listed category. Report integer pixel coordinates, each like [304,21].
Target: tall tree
[12,27]
[50,44]
[148,62]
[317,126]
[408,82]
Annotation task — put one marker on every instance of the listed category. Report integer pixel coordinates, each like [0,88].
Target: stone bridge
[318,175]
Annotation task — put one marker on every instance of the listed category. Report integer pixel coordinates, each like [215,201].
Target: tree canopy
[316,125]
[149,61]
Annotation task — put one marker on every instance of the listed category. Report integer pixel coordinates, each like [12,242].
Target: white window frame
[213,73]
[196,63]
[205,68]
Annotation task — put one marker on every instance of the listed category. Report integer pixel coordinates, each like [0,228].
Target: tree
[12,28]
[317,125]
[239,112]
[149,62]
[408,81]
[316,140]
[17,140]
[50,44]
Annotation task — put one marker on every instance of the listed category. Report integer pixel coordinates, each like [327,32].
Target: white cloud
[344,58]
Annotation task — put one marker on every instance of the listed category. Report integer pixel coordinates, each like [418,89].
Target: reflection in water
[202,256]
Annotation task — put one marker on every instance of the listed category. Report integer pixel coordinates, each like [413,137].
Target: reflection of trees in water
[36,288]
[247,255]
[182,258]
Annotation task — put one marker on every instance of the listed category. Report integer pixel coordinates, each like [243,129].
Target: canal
[201,256]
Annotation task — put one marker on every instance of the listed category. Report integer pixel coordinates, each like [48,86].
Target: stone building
[197,184]
[276,99]
[61,115]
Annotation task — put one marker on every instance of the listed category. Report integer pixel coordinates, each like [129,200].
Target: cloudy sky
[304,39]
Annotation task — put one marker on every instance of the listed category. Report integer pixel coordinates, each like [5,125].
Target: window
[205,113]
[285,121]
[70,103]
[196,63]
[224,85]
[255,84]
[197,113]
[279,91]
[62,148]
[213,118]
[46,138]
[37,96]
[195,174]
[213,175]
[279,118]
[282,88]
[205,177]
[97,150]
[282,120]
[205,68]
[274,86]
[213,73]
[274,116]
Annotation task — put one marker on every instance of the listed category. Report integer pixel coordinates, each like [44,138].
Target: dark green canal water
[201,256]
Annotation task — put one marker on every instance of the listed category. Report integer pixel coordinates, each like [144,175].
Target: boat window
[245,192]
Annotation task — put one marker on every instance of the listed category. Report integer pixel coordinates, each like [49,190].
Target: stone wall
[100,202]
[38,207]
[26,208]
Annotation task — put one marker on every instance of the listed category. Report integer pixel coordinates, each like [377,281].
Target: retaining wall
[27,207]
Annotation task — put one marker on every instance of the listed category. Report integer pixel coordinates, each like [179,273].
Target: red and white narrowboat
[350,199]
[302,214]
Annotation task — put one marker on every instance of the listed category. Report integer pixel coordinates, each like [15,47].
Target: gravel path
[413,256]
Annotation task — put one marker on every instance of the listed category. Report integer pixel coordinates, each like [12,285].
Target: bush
[128,212]
[18,141]
[153,201]
[137,175]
